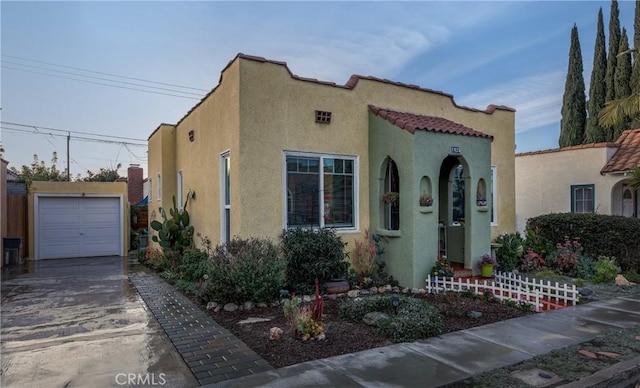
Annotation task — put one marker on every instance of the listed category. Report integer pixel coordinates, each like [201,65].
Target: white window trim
[179,184]
[159,187]
[356,186]
[150,190]
[494,194]
[223,205]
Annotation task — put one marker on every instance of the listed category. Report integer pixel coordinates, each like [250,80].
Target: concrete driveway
[80,323]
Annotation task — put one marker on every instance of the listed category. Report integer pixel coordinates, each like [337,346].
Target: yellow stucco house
[267,150]
[587,178]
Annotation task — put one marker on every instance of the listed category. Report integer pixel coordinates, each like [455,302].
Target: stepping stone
[609,354]
[253,320]
[587,353]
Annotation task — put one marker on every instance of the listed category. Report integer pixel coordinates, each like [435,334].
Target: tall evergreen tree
[574,114]
[635,70]
[614,43]
[622,80]
[594,133]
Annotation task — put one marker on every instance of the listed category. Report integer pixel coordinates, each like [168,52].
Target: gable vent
[323,117]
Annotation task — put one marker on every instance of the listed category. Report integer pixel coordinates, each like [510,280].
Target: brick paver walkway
[210,350]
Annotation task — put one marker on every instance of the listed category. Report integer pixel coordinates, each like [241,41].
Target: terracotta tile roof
[350,84]
[628,154]
[569,148]
[412,122]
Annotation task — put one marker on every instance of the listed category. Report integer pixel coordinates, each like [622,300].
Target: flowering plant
[442,267]
[426,200]
[487,259]
[391,198]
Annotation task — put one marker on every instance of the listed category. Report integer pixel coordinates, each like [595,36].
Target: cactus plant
[175,232]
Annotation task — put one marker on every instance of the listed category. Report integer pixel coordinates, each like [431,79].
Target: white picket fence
[508,286]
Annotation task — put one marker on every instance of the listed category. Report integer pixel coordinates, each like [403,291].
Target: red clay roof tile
[412,122]
[628,154]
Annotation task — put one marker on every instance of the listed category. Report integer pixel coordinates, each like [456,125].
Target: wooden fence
[17,221]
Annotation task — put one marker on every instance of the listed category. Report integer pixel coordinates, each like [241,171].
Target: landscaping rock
[261,305]
[253,320]
[405,290]
[382,289]
[373,290]
[588,353]
[275,333]
[230,307]
[212,305]
[609,354]
[218,308]
[395,289]
[585,291]
[275,303]
[474,314]
[372,318]
[422,291]
[306,298]
[622,281]
[248,305]
[364,292]
[353,293]
[414,290]
[321,337]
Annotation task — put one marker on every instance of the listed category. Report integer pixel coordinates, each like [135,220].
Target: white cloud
[537,99]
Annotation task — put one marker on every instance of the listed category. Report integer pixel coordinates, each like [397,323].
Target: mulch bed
[344,337]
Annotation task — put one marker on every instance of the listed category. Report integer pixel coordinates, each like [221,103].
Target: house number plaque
[455,149]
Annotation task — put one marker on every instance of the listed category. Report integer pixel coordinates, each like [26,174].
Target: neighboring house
[588,178]
[3,206]
[266,150]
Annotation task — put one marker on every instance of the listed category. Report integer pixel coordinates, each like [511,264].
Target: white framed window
[150,190]
[494,196]
[321,190]
[179,189]
[582,198]
[159,187]
[225,196]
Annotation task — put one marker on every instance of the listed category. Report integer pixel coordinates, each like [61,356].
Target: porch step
[462,272]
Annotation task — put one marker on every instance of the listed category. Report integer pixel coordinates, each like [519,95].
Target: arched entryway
[454,191]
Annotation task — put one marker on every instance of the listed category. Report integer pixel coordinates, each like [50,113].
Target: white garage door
[78,227]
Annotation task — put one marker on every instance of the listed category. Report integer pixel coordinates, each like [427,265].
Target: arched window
[391,197]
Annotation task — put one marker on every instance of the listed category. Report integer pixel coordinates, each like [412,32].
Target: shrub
[156,260]
[508,255]
[363,257]
[606,270]
[312,254]
[586,268]
[632,276]
[532,262]
[193,265]
[415,318]
[567,255]
[601,235]
[243,270]
[300,318]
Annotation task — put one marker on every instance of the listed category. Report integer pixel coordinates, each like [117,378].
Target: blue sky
[505,53]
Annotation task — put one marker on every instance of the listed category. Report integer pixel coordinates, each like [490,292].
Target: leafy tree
[103,175]
[574,115]
[622,80]
[38,171]
[594,133]
[614,44]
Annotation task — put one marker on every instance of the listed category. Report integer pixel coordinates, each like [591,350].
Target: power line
[98,78]
[99,83]
[99,72]
[80,138]
[69,131]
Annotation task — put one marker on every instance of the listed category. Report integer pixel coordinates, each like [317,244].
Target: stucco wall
[544,180]
[77,189]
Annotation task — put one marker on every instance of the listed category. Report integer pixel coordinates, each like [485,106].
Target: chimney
[134,183]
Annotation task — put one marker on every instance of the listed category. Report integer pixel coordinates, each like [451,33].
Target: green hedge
[600,235]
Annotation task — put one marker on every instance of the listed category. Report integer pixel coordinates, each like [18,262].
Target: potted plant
[486,265]
[442,267]
[426,200]
[481,201]
[391,198]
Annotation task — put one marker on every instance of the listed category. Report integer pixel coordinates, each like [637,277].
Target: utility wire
[81,138]
[68,131]
[99,83]
[99,72]
[99,78]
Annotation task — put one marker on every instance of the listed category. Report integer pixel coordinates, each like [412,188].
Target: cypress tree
[635,71]
[622,79]
[614,43]
[594,133]
[574,114]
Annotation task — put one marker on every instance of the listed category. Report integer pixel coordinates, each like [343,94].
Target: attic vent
[192,135]
[323,117]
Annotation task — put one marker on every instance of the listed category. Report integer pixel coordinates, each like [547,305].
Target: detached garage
[78,219]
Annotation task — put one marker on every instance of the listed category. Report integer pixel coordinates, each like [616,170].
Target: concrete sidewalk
[455,356]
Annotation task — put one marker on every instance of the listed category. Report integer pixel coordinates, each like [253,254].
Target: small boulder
[306,298]
[405,290]
[372,318]
[474,314]
[248,305]
[321,337]
[230,307]
[261,305]
[422,291]
[395,289]
[588,353]
[275,303]
[622,281]
[353,293]
[212,305]
[585,291]
[217,309]
[275,333]
[609,354]
[382,290]
[373,290]
[414,290]
[364,292]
